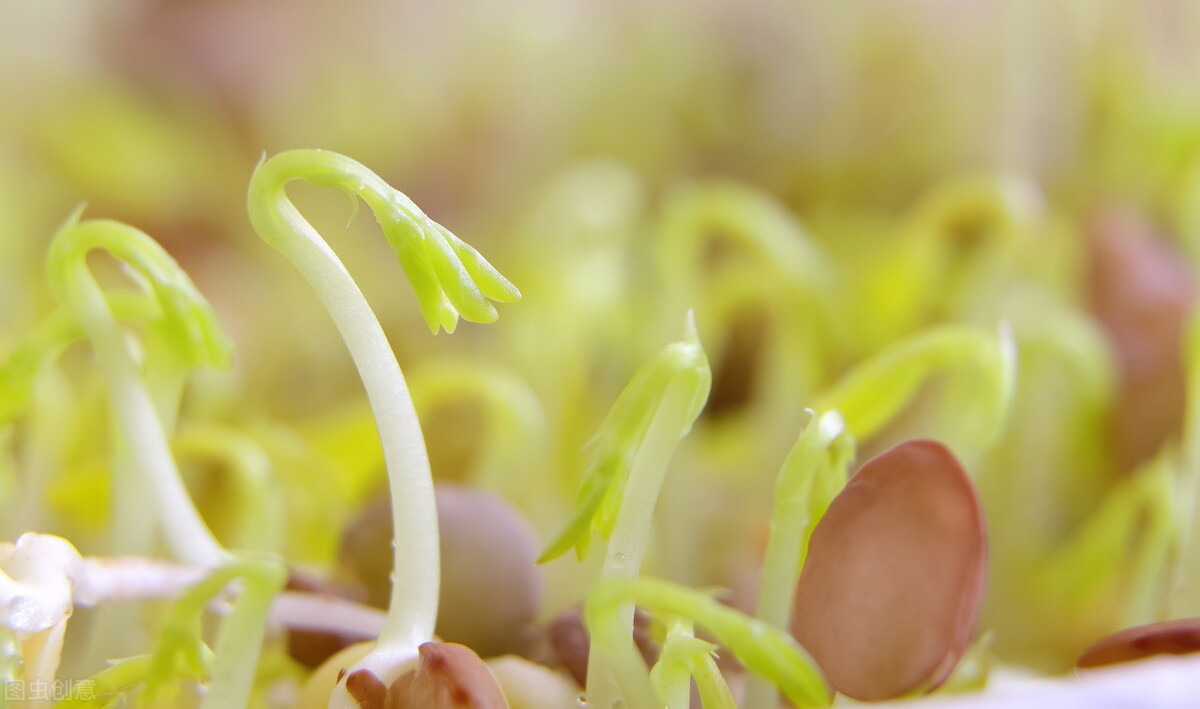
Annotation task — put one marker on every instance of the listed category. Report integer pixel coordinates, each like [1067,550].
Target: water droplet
[619,559]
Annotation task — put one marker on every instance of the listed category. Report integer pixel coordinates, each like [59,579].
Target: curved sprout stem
[450,278]
[758,223]
[876,390]
[1004,208]
[134,411]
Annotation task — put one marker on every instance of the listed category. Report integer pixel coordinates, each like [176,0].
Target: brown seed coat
[1173,637]
[889,596]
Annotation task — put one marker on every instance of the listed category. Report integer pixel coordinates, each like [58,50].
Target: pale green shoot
[664,397]
[450,279]
[193,326]
[51,421]
[977,400]
[955,249]
[1159,538]
[633,451]
[671,677]
[813,473]
[182,652]
[682,658]
[1004,202]
[190,328]
[761,647]
[1042,322]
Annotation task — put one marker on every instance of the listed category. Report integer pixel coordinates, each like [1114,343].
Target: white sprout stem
[132,536]
[189,538]
[631,531]
[132,528]
[412,611]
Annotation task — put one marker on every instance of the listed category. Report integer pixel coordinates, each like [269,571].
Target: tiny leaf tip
[75,216]
[689,325]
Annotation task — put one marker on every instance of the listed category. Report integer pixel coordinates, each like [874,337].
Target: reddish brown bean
[447,676]
[313,647]
[1173,637]
[367,689]
[888,599]
[569,641]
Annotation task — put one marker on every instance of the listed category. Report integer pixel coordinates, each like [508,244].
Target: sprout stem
[631,533]
[133,408]
[450,278]
[414,602]
[240,639]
